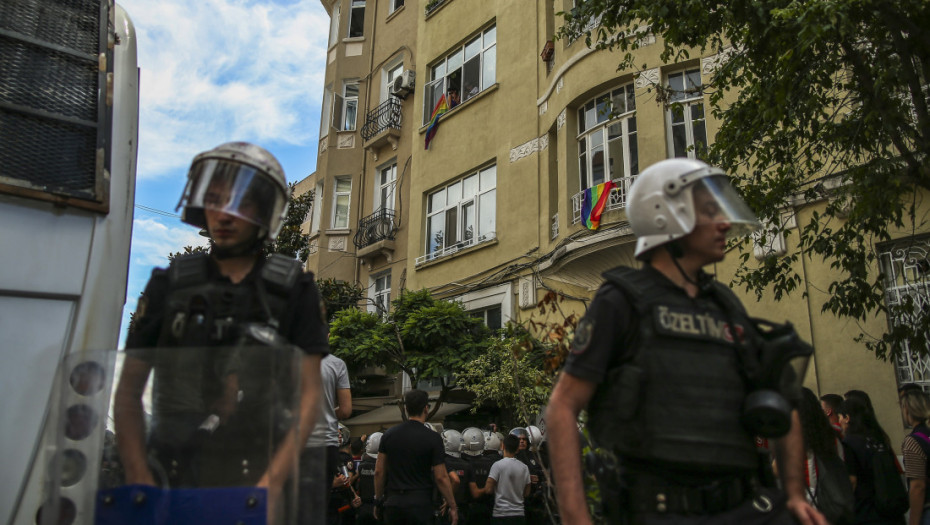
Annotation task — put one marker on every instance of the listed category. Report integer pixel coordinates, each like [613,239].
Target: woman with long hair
[915,407]
[825,472]
[820,440]
[863,438]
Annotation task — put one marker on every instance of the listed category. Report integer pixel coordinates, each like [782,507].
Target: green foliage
[339,295]
[291,240]
[819,101]
[188,250]
[509,376]
[424,337]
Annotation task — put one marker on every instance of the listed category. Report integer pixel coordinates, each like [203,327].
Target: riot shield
[177,436]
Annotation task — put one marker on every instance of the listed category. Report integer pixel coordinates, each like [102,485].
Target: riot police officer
[459,472]
[235,297]
[662,361]
[366,480]
[480,455]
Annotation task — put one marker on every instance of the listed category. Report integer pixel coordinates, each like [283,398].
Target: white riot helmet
[240,179]
[492,441]
[536,436]
[661,204]
[373,444]
[344,435]
[453,441]
[473,441]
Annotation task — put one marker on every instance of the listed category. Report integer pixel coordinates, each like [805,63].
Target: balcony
[616,199]
[433,5]
[375,236]
[455,248]
[382,125]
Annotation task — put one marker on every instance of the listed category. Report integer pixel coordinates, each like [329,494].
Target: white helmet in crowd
[240,179]
[473,441]
[661,204]
[373,444]
[536,436]
[492,441]
[453,441]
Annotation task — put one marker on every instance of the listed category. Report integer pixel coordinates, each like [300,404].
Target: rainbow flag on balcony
[594,202]
[441,107]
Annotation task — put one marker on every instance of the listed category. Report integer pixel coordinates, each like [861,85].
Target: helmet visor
[236,189]
[716,201]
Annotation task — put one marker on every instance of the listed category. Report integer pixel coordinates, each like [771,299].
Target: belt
[653,496]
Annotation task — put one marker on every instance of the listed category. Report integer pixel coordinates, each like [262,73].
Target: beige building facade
[491,213]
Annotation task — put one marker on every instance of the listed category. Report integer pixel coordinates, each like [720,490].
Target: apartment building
[490,214]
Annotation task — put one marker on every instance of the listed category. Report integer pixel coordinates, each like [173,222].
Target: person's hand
[454,515]
[376,512]
[804,512]
[357,502]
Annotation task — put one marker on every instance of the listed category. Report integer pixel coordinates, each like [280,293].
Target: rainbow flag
[593,202]
[441,107]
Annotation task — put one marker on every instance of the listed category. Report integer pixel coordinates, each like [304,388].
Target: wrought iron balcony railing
[376,227]
[386,116]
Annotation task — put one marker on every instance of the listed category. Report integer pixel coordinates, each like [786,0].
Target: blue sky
[213,71]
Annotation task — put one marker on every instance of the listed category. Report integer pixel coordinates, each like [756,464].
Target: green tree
[291,240]
[820,100]
[339,295]
[422,336]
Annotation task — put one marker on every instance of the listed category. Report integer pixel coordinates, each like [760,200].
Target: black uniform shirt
[304,322]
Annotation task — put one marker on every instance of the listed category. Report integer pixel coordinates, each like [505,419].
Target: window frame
[375,305]
[461,218]
[390,185]
[317,211]
[347,194]
[441,79]
[394,5]
[354,7]
[687,105]
[334,26]
[600,110]
[349,106]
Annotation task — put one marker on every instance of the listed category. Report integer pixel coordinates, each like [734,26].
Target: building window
[687,136]
[462,214]
[356,18]
[327,109]
[380,293]
[905,267]
[317,208]
[386,183]
[463,73]
[346,106]
[395,5]
[334,25]
[492,317]
[607,146]
[390,73]
[341,194]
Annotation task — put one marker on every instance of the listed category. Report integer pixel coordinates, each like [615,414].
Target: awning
[389,415]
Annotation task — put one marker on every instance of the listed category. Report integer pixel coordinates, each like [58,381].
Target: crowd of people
[432,476]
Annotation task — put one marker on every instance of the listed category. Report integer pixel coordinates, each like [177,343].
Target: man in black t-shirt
[410,464]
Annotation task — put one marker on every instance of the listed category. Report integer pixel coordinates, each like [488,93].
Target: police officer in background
[459,472]
[667,387]
[366,481]
[481,451]
[234,297]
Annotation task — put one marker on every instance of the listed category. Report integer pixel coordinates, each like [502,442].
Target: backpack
[891,500]
[834,493]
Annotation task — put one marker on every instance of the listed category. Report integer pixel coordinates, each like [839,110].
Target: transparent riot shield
[177,436]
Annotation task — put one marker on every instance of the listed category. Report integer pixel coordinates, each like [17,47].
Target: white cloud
[217,70]
[153,240]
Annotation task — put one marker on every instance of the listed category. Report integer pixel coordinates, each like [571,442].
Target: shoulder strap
[280,274]
[637,290]
[924,441]
[187,270]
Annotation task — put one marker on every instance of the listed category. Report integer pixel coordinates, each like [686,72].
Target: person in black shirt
[410,463]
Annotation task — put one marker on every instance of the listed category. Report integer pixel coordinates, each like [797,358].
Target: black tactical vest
[200,311]
[678,399]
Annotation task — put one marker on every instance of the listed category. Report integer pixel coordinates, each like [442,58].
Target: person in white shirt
[509,481]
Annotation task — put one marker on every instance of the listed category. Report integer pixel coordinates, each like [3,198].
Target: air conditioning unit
[403,84]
